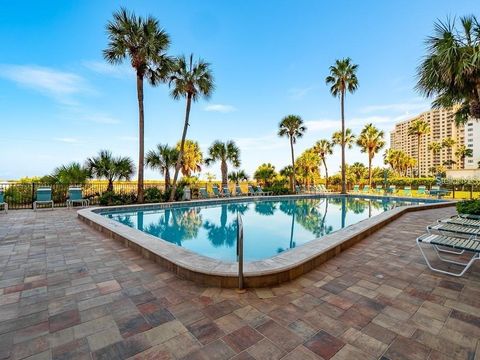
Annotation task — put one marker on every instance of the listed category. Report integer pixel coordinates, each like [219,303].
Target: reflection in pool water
[270,226]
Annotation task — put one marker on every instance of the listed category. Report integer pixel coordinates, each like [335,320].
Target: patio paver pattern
[68,292]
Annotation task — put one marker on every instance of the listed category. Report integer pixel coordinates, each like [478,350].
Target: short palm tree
[450,71]
[192,157]
[163,158]
[448,143]
[292,127]
[190,80]
[324,148]
[144,43]
[463,152]
[265,173]
[73,173]
[237,176]
[106,166]
[435,148]
[342,78]
[287,171]
[371,141]
[224,152]
[418,128]
[349,138]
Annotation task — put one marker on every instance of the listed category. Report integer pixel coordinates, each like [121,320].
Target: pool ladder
[241,288]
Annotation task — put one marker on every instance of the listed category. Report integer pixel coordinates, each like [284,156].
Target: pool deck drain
[281,268]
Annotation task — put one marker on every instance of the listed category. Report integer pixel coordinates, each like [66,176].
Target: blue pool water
[270,226]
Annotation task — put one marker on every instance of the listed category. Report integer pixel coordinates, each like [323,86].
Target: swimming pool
[271,226]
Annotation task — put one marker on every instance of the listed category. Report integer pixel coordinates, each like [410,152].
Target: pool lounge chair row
[225,192]
[315,189]
[455,241]
[44,197]
[406,191]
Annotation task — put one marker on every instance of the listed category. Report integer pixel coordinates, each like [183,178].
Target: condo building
[442,126]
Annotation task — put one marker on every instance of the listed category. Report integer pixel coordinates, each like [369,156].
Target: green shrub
[277,189]
[153,195]
[178,194]
[471,207]
[110,198]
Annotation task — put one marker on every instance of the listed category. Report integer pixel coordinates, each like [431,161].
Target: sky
[61,102]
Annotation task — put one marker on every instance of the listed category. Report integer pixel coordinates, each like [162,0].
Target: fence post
[241,288]
[33,193]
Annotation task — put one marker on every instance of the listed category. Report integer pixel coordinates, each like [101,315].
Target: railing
[240,252]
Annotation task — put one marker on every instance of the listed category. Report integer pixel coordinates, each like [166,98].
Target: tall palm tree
[106,166]
[163,159]
[448,143]
[144,43]
[324,148]
[450,71]
[343,78]
[237,176]
[435,148]
[192,157]
[190,80]
[224,152]
[292,127]
[371,142]
[349,138]
[418,128]
[463,152]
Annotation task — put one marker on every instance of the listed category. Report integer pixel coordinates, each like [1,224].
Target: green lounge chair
[226,192]
[461,220]
[366,189]
[2,202]
[407,191]
[438,192]
[216,191]
[298,189]
[459,245]
[422,190]
[75,195]
[379,189]
[392,189]
[251,191]
[263,193]
[203,193]
[44,196]
[239,192]
[356,188]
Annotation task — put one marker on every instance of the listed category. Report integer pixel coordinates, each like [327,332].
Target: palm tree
[73,173]
[163,159]
[192,157]
[111,168]
[292,127]
[349,138]
[287,171]
[307,165]
[224,152]
[342,78]
[144,43]
[418,128]
[371,142]
[191,81]
[463,152]
[265,173]
[324,148]
[237,176]
[450,71]
[448,143]
[435,148]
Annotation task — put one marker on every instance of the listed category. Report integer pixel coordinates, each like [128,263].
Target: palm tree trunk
[369,170]
[294,182]
[326,172]
[110,185]
[342,105]
[167,178]
[224,169]
[141,140]
[182,145]
[418,156]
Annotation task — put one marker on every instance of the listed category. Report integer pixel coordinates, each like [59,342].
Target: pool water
[270,226]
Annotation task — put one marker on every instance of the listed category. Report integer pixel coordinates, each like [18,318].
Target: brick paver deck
[67,292]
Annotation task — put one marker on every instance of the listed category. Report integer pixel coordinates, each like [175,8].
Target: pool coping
[280,268]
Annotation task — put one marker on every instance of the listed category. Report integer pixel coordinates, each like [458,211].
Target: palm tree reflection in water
[223,234]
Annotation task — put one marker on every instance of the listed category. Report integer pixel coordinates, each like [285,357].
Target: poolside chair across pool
[239,192]
[2,202]
[407,191]
[75,195]
[44,196]
[366,189]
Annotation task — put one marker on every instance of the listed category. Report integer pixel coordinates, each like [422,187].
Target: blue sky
[60,101]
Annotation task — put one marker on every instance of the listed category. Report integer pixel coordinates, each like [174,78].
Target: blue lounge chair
[366,189]
[298,189]
[422,190]
[379,189]
[75,195]
[44,196]
[238,191]
[356,188]
[2,202]
[407,191]
[263,193]
[392,189]
[226,192]
[216,191]
[251,191]
[203,193]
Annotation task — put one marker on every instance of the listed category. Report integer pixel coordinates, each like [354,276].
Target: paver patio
[68,292]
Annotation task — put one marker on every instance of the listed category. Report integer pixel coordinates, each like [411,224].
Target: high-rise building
[472,141]
[442,126]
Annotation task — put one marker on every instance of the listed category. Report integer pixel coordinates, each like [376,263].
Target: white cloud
[60,85]
[221,108]
[101,67]
[67,140]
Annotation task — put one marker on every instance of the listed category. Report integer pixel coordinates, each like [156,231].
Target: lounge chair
[216,191]
[366,189]
[392,189]
[463,244]
[356,188]
[239,192]
[263,193]
[444,228]
[438,192]
[2,202]
[422,190]
[407,191]
[461,220]
[251,191]
[298,189]
[75,196]
[44,196]
[379,189]
[226,192]
[203,193]
[323,188]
